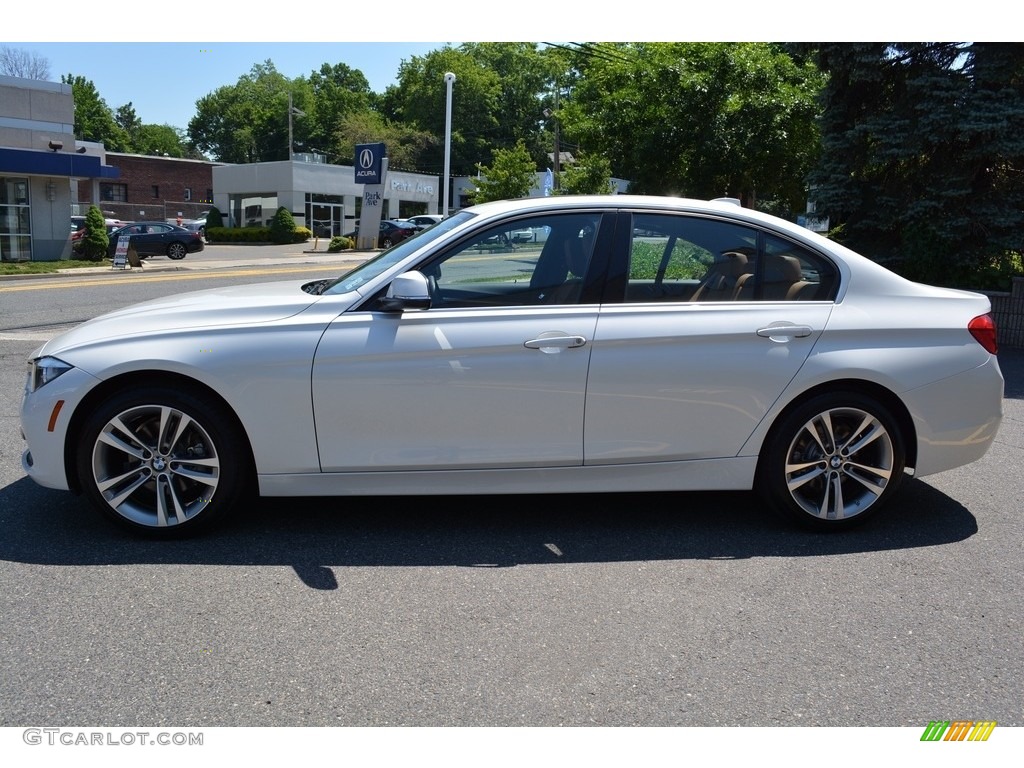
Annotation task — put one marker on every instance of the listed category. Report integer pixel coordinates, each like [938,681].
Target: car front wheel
[161,461]
[386,243]
[176,251]
[833,461]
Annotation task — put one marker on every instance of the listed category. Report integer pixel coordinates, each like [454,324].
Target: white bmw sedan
[636,344]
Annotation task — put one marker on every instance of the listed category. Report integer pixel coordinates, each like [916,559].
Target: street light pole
[449,81]
[292,111]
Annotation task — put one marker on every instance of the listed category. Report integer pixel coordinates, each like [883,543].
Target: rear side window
[792,273]
[696,259]
[686,258]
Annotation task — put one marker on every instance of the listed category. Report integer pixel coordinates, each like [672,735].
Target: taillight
[983,329]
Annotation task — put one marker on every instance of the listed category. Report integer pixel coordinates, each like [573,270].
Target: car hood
[216,307]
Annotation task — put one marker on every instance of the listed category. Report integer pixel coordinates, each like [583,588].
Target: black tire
[176,251]
[832,462]
[386,243]
[162,462]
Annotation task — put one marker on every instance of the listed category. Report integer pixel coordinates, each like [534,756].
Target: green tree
[406,146]
[697,119]
[94,121]
[166,140]
[511,175]
[95,241]
[247,122]
[527,75]
[335,93]
[127,119]
[591,174]
[420,97]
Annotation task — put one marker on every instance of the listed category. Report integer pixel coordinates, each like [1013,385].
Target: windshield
[369,270]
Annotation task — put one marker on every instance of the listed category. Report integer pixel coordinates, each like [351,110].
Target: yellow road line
[340,269]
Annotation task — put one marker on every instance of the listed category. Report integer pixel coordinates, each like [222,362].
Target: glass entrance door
[326,219]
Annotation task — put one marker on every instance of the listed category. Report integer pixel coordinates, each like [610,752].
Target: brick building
[151,187]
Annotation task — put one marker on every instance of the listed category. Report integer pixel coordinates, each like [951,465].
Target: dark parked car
[157,238]
[78,230]
[392,232]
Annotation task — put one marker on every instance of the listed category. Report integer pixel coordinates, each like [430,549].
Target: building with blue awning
[40,161]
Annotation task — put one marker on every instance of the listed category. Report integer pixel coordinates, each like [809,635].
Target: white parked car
[424,220]
[647,344]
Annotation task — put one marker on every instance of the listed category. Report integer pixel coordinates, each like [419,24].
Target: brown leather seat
[725,278]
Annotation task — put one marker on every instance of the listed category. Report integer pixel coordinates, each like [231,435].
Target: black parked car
[156,238]
[392,232]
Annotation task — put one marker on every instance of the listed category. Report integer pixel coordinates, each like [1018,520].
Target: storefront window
[15,220]
[252,210]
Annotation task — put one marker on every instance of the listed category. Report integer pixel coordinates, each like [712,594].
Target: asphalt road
[612,610]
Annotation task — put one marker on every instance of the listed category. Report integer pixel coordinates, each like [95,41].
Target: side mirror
[409,290]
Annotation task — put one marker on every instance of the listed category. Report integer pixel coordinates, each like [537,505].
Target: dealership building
[324,198]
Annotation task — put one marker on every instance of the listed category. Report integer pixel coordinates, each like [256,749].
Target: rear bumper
[956,419]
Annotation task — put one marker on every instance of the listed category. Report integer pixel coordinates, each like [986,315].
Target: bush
[340,243]
[301,235]
[214,218]
[238,235]
[95,242]
[282,226]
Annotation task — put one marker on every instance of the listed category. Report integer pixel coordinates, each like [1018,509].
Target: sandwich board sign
[121,254]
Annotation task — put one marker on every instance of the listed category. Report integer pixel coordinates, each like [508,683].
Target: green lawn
[46,267]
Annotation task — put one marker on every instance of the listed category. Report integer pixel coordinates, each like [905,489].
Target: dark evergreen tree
[923,155]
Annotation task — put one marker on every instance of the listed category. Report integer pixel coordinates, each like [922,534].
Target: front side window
[534,260]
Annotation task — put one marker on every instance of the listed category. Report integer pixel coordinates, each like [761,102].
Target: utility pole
[558,149]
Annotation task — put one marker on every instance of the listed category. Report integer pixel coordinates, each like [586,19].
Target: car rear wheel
[832,462]
[161,461]
[176,251]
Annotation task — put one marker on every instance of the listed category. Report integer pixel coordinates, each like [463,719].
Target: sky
[163,81]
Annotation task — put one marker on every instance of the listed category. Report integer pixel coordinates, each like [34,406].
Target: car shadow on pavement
[319,538]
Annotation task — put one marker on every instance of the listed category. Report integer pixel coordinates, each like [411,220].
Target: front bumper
[45,417]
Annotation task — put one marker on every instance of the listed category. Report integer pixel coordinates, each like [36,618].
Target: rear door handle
[783,332]
[555,342]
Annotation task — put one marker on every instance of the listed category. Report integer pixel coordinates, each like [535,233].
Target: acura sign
[368,163]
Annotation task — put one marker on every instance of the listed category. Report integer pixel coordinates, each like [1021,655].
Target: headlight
[43,371]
